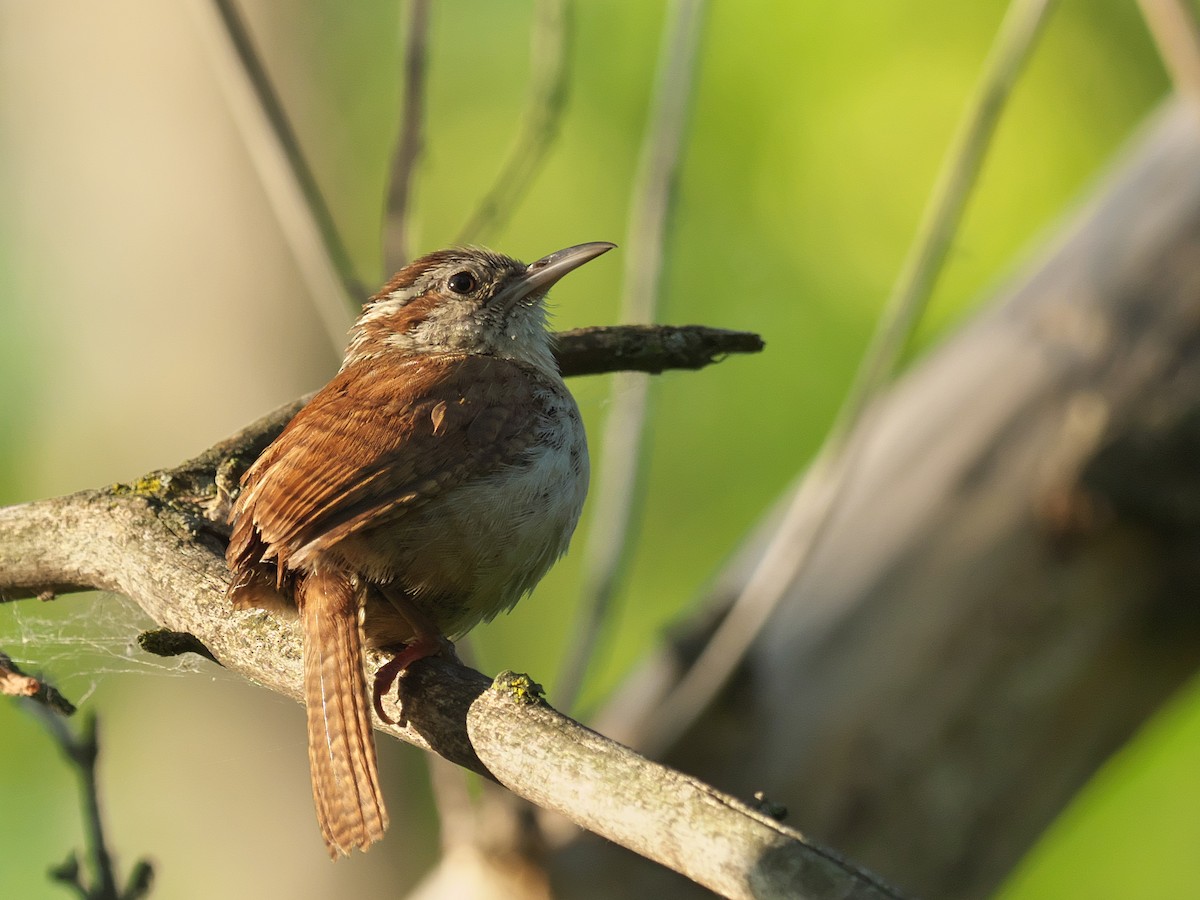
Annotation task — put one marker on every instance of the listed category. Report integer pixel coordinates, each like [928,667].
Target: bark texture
[1009,587]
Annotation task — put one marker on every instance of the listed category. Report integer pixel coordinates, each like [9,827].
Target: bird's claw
[389,672]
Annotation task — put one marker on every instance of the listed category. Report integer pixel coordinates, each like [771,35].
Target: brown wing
[375,443]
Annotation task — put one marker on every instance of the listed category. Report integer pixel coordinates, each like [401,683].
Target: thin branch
[82,752]
[812,509]
[548,89]
[289,183]
[648,348]
[1023,23]
[399,225]
[15,683]
[617,484]
[157,546]
[1176,31]
[664,815]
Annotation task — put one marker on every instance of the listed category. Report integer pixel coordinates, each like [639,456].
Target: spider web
[74,642]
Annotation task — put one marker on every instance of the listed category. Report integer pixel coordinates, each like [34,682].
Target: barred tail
[341,746]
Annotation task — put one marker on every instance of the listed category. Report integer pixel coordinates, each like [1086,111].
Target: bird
[426,488]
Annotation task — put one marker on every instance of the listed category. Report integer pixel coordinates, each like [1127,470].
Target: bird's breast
[492,538]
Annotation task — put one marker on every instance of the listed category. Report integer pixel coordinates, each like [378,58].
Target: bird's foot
[386,675]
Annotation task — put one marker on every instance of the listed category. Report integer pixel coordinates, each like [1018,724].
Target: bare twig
[291,188]
[648,348]
[397,232]
[81,752]
[548,86]
[1023,23]
[745,855]
[618,481]
[1176,31]
[811,510]
[15,683]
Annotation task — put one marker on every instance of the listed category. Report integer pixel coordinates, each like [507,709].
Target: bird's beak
[541,275]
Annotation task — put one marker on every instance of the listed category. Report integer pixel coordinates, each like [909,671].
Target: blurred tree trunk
[1008,588]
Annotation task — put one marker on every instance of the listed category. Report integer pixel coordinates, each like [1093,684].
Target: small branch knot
[164,642]
[520,687]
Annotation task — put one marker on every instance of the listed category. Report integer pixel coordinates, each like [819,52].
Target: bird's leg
[427,641]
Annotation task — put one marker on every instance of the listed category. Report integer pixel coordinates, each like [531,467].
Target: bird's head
[466,300]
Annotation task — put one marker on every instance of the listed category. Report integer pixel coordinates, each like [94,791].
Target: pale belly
[476,551]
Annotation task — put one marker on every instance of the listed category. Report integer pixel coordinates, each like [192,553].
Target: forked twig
[82,752]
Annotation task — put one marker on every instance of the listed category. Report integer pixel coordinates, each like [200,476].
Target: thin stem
[399,227]
[811,511]
[617,486]
[548,90]
[289,183]
[1176,31]
[15,683]
[82,752]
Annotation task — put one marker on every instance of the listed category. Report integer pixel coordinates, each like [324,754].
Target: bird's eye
[462,282]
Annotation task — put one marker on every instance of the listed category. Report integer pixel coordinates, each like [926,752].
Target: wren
[426,488]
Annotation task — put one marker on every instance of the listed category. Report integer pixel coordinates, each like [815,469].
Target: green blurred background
[149,306]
